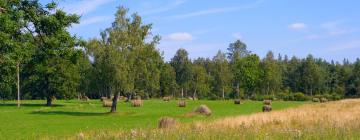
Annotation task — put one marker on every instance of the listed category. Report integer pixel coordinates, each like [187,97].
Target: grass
[318,121]
[67,118]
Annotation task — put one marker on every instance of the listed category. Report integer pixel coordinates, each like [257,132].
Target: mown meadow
[33,120]
[317,121]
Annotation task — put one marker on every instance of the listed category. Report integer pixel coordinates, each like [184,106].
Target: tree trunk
[182,93]
[18,83]
[237,90]
[114,103]
[267,90]
[194,95]
[48,101]
[223,93]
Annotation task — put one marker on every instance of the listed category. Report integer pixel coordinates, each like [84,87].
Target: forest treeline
[43,60]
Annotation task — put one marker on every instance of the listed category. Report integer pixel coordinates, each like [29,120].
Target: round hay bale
[107,103]
[166,99]
[267,102]
[316,100]
[167,122]
[237,101]
[323,100]
[266,108]
[203,109]
[182,103]
[136,103]
[85,98]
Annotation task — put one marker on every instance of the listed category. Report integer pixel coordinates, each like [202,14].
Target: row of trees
[40,58]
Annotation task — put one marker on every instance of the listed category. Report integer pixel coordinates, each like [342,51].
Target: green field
[67,118]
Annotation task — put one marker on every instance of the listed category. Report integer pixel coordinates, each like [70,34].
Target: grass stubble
[332,120]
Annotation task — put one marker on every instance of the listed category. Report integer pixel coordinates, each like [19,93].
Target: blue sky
[326,29]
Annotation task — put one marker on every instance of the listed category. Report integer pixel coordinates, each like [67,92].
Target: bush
[258,97]
[316,100]
[300,97]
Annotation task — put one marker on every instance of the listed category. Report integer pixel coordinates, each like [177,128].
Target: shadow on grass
[28,105]
[70,113]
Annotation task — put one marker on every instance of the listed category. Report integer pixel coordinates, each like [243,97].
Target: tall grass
[333,120]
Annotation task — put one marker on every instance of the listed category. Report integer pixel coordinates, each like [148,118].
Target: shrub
[323,100]
[300,97]
[336,97]
[203,109]
[316,100]
[167,122]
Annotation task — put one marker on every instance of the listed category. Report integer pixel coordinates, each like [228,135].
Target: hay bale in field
[103,98]
[203,109]
[166,99]
[266,108]
[182,103]
[237,101]
[267,102]
[316,100]
[136,103]
[322,100]
[167,122]
[107,103]
[85,98]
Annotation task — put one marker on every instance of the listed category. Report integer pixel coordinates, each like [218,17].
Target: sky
[323,28]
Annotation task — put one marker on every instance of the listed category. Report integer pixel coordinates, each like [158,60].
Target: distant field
[67,118]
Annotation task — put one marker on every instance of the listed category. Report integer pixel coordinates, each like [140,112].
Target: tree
[237,50]
[247,72]
[199,81]
[311,75]
[272,74]
[52,69]
[125,60]
[182,65]
[16,44]
[167,80]
[222,74]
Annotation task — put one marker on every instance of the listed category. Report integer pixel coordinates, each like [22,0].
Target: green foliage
[247,72]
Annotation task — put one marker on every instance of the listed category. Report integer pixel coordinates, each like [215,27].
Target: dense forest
[40,59]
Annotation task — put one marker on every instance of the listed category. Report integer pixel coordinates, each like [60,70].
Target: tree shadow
[70,113]
[28,105]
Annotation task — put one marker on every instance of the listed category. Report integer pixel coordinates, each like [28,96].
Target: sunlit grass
[330,121]
[67,118]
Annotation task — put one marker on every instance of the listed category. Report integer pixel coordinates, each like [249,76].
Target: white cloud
[83,7]
[297,26]
[180,36]
[346,46]
[217,10]
[237,36]
[334,29]
[205,12]
[93,20]
[163,8]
